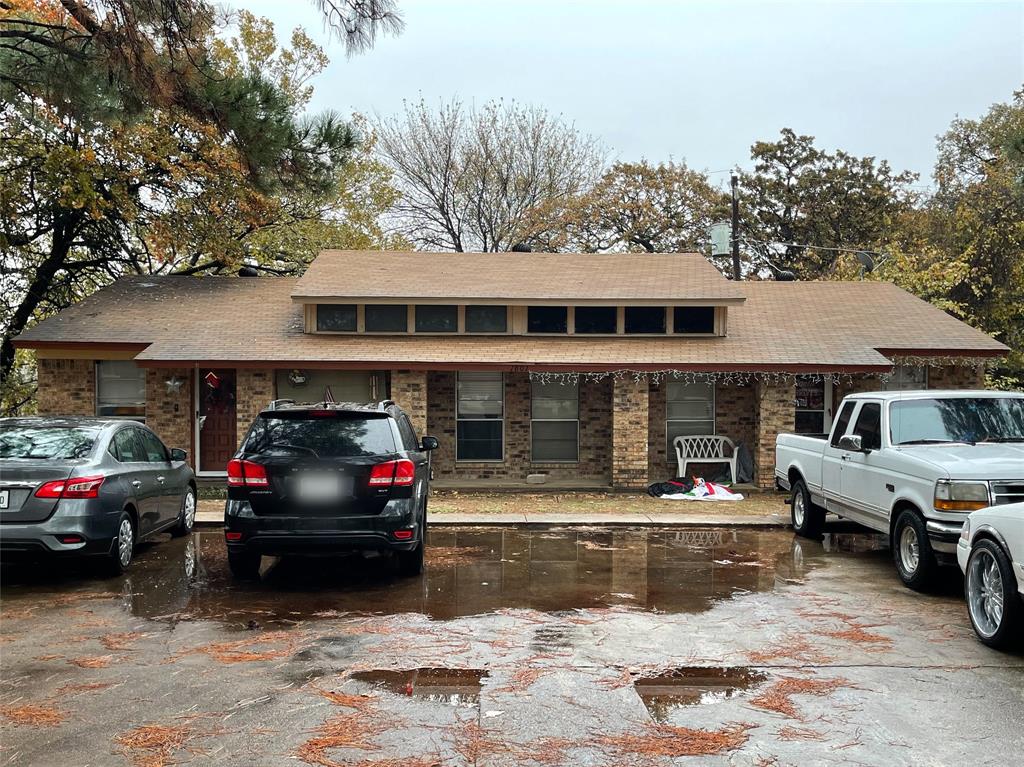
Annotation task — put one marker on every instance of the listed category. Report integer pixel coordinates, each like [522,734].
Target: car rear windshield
[337,435]
[957,419]
[54,443]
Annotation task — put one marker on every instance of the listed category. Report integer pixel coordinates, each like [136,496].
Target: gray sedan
[77,486]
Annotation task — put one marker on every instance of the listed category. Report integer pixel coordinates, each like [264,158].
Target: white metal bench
[705,448]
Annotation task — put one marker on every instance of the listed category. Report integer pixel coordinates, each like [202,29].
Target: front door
[218,438]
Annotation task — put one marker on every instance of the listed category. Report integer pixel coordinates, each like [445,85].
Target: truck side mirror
[851,442]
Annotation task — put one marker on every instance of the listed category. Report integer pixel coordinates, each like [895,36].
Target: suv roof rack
[279,403]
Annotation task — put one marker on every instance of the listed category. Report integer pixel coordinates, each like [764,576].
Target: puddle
[452,687]
[474,571]
[693,686]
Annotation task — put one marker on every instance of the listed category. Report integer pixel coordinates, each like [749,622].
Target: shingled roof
[794,326]
[349,276]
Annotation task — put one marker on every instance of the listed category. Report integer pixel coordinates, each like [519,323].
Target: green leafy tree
[136,142]
[800,204]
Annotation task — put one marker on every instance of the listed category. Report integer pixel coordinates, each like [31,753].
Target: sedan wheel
[125,542]
[992,602]
[187,515]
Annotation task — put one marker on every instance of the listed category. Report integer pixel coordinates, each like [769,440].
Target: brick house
[580,367]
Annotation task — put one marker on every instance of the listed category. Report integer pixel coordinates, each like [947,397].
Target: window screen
[336,317]
[645,319]
[547,319]
[690,410]
[386,318]
[120,389]
[596,319]
[555,426]
[479,415]
[486,319]
[693,319]
[437,318]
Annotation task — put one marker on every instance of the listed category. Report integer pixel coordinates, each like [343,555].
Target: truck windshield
[956,419]
[338,435]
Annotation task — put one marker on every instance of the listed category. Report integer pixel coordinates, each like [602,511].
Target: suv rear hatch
[319,463]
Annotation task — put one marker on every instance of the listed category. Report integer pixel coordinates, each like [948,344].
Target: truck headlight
[951,495]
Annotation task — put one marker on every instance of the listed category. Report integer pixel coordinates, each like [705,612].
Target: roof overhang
[491,300]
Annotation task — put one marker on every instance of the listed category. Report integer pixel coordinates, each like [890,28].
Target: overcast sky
[697,81]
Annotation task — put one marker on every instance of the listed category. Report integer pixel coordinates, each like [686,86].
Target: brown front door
[217,431]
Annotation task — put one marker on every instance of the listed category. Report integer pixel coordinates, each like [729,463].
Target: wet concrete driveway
[519,647]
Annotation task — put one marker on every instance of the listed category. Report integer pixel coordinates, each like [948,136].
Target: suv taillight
[399,473]
[246,474]
[76,487]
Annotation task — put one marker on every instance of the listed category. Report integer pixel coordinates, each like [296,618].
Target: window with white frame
[907,377]
[120,389]
[479,417]
[689,410]
[555,424]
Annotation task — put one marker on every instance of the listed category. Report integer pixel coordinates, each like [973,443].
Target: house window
[555,428]
[596,319]
[437,318]
[907,377]
[120,389]
[336,317]
[813,406]
[386,318]
[690,410]
[547,319]
[479,414]
[486,319]
[645,319]
[693,319]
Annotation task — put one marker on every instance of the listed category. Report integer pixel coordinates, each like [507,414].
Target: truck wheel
[912,551]
[244,565]
[808,517]
[995,610]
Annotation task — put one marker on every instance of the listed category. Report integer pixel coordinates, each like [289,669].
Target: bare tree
[472,179]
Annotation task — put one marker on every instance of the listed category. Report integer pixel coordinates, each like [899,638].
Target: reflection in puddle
[693,686]
[452,687]
[475,571]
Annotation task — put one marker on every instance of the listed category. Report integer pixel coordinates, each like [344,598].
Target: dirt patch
[449,502]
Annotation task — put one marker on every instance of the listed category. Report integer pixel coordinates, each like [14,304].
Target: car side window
[408,433]
[869,426]
[153,447]
[127,447]
[842,422]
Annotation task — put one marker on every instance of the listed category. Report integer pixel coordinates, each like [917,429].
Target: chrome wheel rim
[799,509]
[910,549]
[985,592]
[189,509]
[124,542]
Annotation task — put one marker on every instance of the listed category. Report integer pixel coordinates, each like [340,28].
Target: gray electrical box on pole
[721,238]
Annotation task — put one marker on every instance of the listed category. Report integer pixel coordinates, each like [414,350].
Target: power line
[814,247]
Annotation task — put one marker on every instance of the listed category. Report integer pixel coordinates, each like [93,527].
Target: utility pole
[735,229]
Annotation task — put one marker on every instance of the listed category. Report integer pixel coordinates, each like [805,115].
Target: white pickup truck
[910,464]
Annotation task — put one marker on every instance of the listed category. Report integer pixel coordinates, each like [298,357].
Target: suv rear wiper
[936,442]
[299,448]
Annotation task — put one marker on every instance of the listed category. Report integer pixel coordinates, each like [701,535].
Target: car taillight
[76,487]
[399,473]
[246,473]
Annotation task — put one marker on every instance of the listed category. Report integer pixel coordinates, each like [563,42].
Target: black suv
[324,478]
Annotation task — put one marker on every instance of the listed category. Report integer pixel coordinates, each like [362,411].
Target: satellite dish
[865,260]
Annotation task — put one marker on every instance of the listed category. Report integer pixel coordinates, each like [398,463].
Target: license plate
[322,487]
[5,499]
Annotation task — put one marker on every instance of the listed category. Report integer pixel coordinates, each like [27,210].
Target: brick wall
[595,433]
[409,390]
[956,377]
[630,418]
[254,390]
[775,413]
[66,387]
[169,413]
[734,418]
